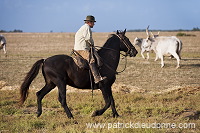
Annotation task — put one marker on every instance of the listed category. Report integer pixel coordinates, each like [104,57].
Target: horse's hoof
[75,122]
[116,115]
[95,113]
[38,114]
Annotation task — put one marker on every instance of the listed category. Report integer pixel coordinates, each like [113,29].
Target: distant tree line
[144,30]
[196,29]
[135,30]
[15,30]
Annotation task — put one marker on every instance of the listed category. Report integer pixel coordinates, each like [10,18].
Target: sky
[111,15]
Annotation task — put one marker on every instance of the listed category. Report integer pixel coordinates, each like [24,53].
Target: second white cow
[140,42]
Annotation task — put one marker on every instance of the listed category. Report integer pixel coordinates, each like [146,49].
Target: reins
[122,58]
[125,55]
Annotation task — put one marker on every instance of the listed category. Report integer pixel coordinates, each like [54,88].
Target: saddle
[79,60]
[83,63]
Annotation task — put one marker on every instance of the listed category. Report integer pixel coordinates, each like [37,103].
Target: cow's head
[147,43]
[137,41]
[149,40]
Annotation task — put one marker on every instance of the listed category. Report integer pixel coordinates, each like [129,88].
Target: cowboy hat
[90,18]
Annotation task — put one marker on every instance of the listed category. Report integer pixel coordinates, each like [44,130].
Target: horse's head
[126,45]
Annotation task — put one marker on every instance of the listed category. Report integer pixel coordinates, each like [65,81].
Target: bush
[184,34]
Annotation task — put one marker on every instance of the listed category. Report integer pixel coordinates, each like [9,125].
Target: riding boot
[96,74]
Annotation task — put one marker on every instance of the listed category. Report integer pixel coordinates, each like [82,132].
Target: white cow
[164,45]
[3,43]
[140,43]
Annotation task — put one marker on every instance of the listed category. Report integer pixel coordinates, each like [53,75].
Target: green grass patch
[133,107]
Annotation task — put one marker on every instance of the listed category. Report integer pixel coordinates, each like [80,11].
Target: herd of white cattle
[161,45]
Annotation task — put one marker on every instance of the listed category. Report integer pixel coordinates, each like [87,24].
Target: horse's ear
[124,31]
[117,32]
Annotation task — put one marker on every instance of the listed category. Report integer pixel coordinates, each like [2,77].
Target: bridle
[126,44]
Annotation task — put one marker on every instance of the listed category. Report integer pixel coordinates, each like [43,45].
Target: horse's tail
[179,48]
[28,79]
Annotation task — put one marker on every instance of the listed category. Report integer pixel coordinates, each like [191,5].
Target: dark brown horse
[61,70]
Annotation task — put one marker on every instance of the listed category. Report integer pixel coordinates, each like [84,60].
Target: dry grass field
[144,93]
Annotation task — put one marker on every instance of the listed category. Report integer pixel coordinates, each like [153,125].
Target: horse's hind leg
[115,114]
[62,99]
[40,94]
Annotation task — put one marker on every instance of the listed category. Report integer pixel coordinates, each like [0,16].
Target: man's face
[91,24]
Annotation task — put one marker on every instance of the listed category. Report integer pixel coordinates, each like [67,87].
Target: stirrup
[101,79]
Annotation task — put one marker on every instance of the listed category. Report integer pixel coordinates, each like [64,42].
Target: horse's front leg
[107,103]
[107,94]
[62,99]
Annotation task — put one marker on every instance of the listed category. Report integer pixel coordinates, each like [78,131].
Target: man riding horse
[84,45]
[62,70]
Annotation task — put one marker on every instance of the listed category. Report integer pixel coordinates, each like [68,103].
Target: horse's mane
[110,35]
[109,39]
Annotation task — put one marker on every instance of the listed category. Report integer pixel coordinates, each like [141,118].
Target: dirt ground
[144,92]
